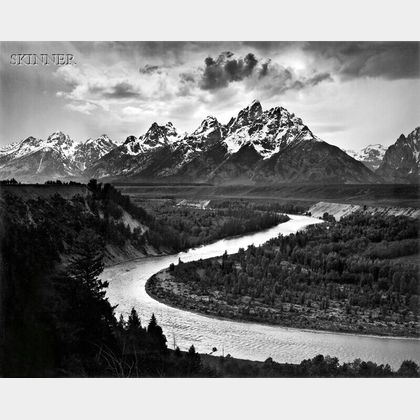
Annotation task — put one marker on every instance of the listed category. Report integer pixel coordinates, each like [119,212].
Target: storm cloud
[149,69]
[263,74]
[386,60]
[121,90]
[309,81]
[226,68]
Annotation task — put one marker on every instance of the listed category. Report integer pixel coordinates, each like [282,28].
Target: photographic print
[209,209]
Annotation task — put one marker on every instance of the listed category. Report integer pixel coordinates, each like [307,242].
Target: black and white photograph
[210,209]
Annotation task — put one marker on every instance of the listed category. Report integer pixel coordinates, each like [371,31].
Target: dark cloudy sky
[349,94]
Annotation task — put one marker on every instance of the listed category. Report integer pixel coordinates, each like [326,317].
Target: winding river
[243,340]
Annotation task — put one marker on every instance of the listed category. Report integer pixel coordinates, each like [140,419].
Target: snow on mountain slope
[135,153]
[156,136]
[88,152]
[57,156]
[371,156]
[160,152]
[271,146]
[254,146]
[267,131]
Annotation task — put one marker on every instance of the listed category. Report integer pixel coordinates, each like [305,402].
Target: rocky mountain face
[371,156]
[136,153]
[267,132]
[401,162]
[91,150]
[58,157]
[255,146]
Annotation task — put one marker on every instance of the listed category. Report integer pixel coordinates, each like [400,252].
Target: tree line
[182,227]
[346,274]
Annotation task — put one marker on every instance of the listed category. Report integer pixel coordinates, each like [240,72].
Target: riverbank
[166,289]
[118,255]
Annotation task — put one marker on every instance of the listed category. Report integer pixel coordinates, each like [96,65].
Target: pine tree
[194,360]
[134,322]
[86,263]
[152,324]
[121,322]
[156,334]
[91,314]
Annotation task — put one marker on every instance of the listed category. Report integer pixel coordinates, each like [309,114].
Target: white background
[216,399]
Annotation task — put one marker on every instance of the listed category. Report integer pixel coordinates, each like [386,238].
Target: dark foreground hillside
[55,317]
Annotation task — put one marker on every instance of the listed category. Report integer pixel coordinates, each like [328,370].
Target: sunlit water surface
[243,340]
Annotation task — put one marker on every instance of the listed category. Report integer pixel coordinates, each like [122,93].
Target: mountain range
[58,157]
[255,146]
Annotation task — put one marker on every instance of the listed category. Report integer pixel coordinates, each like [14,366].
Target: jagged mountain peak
[29,139]
[58,137]
[157,130]
[91,150]
[411,141]
[209,123]
[401,162]
[101,138]
[267,131]
[255,108]
[412,138]
[156,136]
[246,116]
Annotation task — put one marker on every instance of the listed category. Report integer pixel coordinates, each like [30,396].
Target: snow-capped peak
[156,136]
[61,148]
[159,135]
[21,148]
[103,138]
[62,143]
[246,116]
[208,125]
[267,131]
[170,130]
[91,150]
[57,141]
[374,149]
[59,137]
[371,155]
